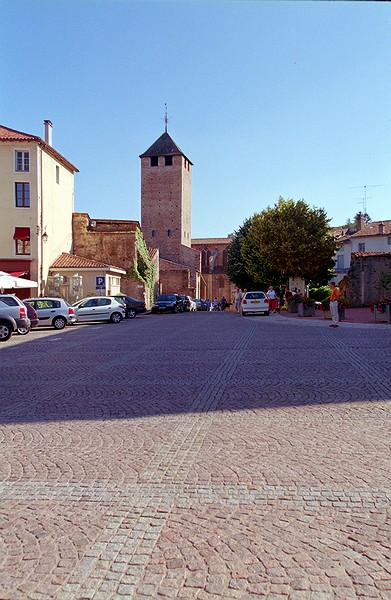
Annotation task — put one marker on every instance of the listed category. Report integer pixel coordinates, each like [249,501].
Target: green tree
[293,240]
[242,256]
[236,268]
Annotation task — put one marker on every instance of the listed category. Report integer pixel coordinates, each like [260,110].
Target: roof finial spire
[165,118]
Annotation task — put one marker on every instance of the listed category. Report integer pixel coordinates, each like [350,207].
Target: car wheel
[116,317]
[175,309]
[5,332]
[131,313]
[244,314]
[266,313]
[59,323]
[23,330]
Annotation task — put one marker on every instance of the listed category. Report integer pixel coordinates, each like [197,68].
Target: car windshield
[166,297]
[255,296]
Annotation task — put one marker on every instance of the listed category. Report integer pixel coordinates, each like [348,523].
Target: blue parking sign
[100,283]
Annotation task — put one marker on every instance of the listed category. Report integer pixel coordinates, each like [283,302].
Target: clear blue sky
[265,98]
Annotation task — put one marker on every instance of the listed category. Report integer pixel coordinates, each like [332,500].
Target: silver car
[100,308]
[13,316]
[53,312]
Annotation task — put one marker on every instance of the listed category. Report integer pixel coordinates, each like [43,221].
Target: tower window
[57,174]
[154,161]
[361,247]
[153,232]
[169,232]
[168,161]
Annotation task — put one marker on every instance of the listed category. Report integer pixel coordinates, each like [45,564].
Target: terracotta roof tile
[13,135]
[208,241]
[371,253]
[373,229]
[72,261]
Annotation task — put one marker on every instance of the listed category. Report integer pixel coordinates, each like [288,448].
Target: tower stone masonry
[166,197]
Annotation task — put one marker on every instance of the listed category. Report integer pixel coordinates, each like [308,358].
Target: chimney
[360,222]
[48,131]
[381,228]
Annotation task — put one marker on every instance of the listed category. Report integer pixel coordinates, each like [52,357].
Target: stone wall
[109,241]
[366,269]
[174,278]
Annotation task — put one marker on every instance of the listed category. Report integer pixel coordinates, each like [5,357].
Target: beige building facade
[36,203]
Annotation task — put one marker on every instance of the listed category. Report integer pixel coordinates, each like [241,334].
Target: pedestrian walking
[334,304]
[223,302]
[238,299]
[272,297]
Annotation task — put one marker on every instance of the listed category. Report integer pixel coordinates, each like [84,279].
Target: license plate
[256,302]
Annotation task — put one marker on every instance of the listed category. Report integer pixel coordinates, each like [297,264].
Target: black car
[133,307]
[167,303]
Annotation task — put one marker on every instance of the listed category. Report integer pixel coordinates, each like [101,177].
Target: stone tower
[166,198]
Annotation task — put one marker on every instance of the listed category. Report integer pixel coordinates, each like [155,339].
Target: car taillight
[244,301]
[70,311]
[22,313]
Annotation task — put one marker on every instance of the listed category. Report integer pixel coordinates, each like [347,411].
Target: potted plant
[382,310]
[306,307]
[293,303]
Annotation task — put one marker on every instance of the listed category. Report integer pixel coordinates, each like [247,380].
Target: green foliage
[242,257]
[143,269]
[293,239]
[320,294]
[384,282]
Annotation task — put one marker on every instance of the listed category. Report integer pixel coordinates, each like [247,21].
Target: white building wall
[57,206]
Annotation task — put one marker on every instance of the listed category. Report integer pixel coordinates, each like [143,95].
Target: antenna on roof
[165,118]
[364,200]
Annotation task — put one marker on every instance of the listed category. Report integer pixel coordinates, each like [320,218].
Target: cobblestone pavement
[196,456]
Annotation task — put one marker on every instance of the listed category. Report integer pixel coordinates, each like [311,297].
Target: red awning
[22,233]
[18,273]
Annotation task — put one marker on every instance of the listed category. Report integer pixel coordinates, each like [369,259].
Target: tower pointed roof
[164,146]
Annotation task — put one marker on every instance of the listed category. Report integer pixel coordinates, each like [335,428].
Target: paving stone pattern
[196,456]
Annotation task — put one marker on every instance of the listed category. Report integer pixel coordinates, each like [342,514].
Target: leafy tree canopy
[292,239]
[242,256]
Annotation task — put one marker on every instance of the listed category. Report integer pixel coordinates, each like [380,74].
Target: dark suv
[13,317]
[167,303]
[133,306]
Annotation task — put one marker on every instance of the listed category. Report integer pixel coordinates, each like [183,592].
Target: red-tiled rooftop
[72,261]
[374,229]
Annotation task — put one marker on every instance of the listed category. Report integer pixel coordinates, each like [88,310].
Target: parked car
[53,312]
[201,304]
[100,308]
[167,303]
[254,303]
[13,317]
[32,315]
[133,306]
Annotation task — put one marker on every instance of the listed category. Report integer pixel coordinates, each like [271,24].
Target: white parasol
[8,282]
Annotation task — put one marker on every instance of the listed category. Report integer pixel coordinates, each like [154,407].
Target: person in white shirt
[272,296]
